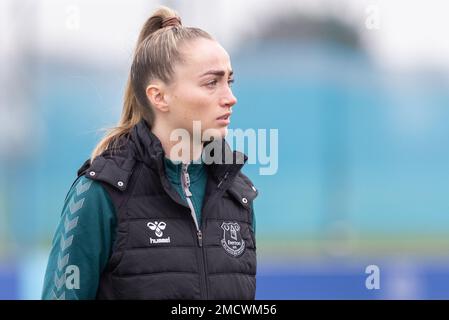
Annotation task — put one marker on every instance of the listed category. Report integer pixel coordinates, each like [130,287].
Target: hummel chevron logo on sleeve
[70,223]
[80,188]
[65,243]
[61,297]
[75,206]
[59,282]
[62,262]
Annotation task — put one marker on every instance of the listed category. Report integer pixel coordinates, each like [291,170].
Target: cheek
[195,104]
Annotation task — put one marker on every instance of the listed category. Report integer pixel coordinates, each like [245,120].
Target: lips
[225,116]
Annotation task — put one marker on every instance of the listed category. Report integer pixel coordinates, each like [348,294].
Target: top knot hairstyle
[171,21]
[155,56]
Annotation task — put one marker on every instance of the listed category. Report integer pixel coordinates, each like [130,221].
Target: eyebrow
[220,73]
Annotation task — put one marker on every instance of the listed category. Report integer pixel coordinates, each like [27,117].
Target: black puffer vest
[159,252]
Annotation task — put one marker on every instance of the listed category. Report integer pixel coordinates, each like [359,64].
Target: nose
[229,99]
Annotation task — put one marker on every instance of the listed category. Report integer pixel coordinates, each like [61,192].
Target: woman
[152,218]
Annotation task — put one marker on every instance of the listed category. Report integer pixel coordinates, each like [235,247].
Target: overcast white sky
[399,33]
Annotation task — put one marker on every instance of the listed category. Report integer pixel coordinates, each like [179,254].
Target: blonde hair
[156,53]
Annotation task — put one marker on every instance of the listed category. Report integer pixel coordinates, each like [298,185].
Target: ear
[155,93]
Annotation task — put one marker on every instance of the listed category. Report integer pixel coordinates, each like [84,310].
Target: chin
[221,132]
[215,133]
[224,132]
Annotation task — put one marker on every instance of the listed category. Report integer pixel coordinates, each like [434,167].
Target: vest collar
[173,169]
[149,150]
[115,166]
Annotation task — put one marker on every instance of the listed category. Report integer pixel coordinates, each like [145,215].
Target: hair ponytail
[156,53]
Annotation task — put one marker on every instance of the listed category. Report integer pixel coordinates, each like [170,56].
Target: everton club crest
[232,240]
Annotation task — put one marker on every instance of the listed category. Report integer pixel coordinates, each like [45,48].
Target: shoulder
[246,184]
[246,180]
[113,167]
[88,206]
[243,190]
[87,193]
[84,186]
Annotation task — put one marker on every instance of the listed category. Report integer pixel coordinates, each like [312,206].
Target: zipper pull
[187,185]
[185,174]
[185,178]
[200,238]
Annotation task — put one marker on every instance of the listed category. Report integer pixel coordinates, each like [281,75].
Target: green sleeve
[82,243]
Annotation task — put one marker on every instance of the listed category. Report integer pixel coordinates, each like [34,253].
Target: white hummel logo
[157,227]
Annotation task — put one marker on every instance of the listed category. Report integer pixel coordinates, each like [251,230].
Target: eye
[212,83]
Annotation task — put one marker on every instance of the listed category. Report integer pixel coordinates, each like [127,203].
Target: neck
[184,150]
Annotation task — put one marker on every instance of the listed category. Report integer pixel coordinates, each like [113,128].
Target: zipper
[185,181]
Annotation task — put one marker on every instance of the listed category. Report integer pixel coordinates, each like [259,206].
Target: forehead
[202,55]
